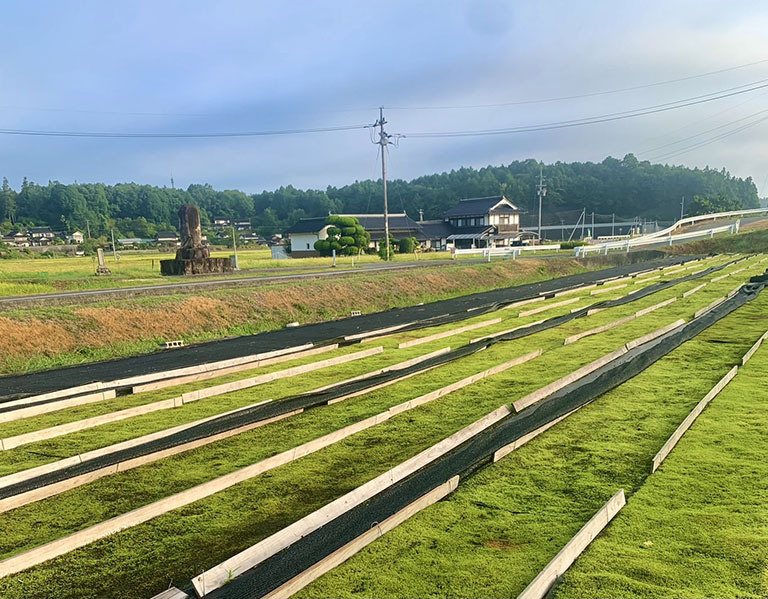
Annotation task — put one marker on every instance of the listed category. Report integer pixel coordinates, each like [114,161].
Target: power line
[601,118]
[709,141]
[578,96]
[42,133]
[679,141]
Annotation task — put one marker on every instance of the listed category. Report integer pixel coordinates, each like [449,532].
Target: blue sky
[227,66]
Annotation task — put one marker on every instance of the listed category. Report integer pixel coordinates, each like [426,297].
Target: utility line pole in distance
[541,190]
[383,142]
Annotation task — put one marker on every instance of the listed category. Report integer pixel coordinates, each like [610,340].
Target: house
[76,238]
[252,239]
[474,222]
[307,231]
[221,222]
[41,235]
[19,240]
[242,225]
[167,238]
[483,222]
[131,242]
[435,234]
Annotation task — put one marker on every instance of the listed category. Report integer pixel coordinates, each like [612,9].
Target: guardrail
[647,240]
[514,250]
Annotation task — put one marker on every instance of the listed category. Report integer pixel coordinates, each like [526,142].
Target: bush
[569,245]
[345,235]
[407,245]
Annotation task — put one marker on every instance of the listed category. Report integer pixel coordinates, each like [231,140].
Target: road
[65,297]
[223,349]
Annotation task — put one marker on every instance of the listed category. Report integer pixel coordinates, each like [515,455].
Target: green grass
[699,526]
[26,276]
[46,451]
[251,311]
[129,560]
[502,526]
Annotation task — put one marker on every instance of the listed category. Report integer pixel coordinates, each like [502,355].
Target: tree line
[626,187]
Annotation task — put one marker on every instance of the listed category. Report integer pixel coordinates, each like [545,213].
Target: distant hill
[627,187]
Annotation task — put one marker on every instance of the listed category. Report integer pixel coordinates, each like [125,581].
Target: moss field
[698,527]
[503,525]
[507,521]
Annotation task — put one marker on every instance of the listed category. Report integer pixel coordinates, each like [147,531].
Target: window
[307,246]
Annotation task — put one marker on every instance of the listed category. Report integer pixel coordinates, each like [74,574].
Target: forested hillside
[625,187]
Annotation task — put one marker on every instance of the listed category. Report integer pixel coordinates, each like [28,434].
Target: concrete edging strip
[706,309]
[694,290]
[654,334]
[650,309]
[686,424]
[541,585]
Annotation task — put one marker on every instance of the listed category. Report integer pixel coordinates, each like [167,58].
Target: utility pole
[421,215]
[682,207]
[541,190]
[383,142]
[88,228]
[613,224]
[583,222]
[114,247]
[593,224]
[234,247]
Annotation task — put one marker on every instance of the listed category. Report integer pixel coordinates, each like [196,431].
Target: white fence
[514,251]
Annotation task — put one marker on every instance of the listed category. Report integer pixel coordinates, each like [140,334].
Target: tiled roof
[477,206]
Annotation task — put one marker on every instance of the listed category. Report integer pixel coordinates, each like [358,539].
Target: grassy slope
[496,532]
[699,526]
[46,337]
[46,451]
[747,242]
[284,494]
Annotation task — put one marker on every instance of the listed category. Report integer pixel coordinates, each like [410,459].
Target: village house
[472,223]
[41,235]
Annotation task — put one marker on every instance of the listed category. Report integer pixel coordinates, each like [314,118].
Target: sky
[191,67]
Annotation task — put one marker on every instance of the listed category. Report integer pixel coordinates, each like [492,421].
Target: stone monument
[193,258]
[101,268]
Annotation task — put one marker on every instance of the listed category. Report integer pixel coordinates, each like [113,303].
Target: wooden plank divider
[78,425]
[686,424]
[694,290]
[450,333]
[606,289]
[600,329]
[549,307]
[706,309]
[223,371]
[245,560]
[544,581]
[342,554]
[650,309]
[554,386]
[45,408]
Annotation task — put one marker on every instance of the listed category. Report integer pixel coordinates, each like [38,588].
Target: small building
[242,225]
[131,242]
[76,238]
[435,234]
[221,222]
[41,235]
[307,231]
[484,222]
[167,238]
[19,239]
[252,239]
